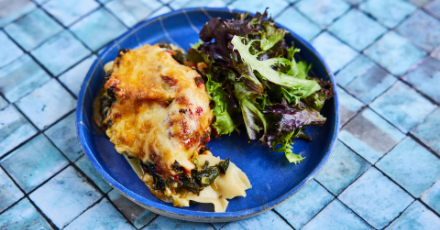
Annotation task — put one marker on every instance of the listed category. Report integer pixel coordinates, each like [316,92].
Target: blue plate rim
[174,212]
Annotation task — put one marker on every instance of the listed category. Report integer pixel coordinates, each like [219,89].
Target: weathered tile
[433,8]
[418,2]
[432,197]
[98,28]
[356,29]
[11,10]
[63,135]
[424,76]
[322,12]
[354,2]
[295,21]
[403,106]
[178,4]
[436,53]
[74,77]
[336,216]
[33,29]
[3,103]
[65,47]
[9,192]
[130,12]
[364,79]
[14,129]
[70,195]
[46,104]
[21,77]
[412,166]
[343,167]
[389,12]
[275,6]
[334,52]
[166,223]
[394,53]
[10,51]
[422,29]
[375,198]
[416,216]
[160,11]
[29,172]
[348,105]
[305,204]
[370,136]
[218,226]
[84,164]
[136,214]
[69,11]
[266,220]
[23,216]
[101,216]
[428,131]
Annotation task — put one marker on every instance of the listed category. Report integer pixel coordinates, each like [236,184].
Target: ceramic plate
[273,179]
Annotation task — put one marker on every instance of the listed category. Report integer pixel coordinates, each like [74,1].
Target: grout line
[282,217]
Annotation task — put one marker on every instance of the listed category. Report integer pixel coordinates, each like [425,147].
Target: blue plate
[273,179]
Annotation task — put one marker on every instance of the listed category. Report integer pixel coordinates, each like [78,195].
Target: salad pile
[254,81]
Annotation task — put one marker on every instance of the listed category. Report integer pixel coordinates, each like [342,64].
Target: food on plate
[157,110]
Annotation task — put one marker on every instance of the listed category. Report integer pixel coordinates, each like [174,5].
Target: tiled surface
[384,172]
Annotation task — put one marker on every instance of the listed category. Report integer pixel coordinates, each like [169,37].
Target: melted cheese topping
[161,113]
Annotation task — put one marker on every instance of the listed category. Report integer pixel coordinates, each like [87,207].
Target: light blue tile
[322,12]
[425,76]
[348,105]
[130,12]
[218,226]
[23,216]
[10,51]
[33,163]
[375,198]
[14,129]
[336,216]
[436,53]
[370,136]
[101,216]
[3,103]
[295,21]
[422,29]
[354,2]
[364,79]
[356,29]
[267,220]
[160,11]
[394,53]
[136,214]
[178,4]
[403,106]
[65,47]
[41,1]
[427,133]
[416,216]
[164,223]
[21,77]
[63,135]
[343,167]
[12,10]
[412,166]
[389,12]
[69,11]
[47,104]
[103,1]
[70,195]
[418,2]
[9,193]
[74,77]
[84,164]
[254,6]
[305,204]
[33,29]
[432,197]
[98,28]
[433,8]
[334,52]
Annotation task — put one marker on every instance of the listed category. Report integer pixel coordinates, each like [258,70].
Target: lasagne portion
[157,110]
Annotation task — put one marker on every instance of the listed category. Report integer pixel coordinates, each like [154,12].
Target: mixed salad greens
[253,79]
